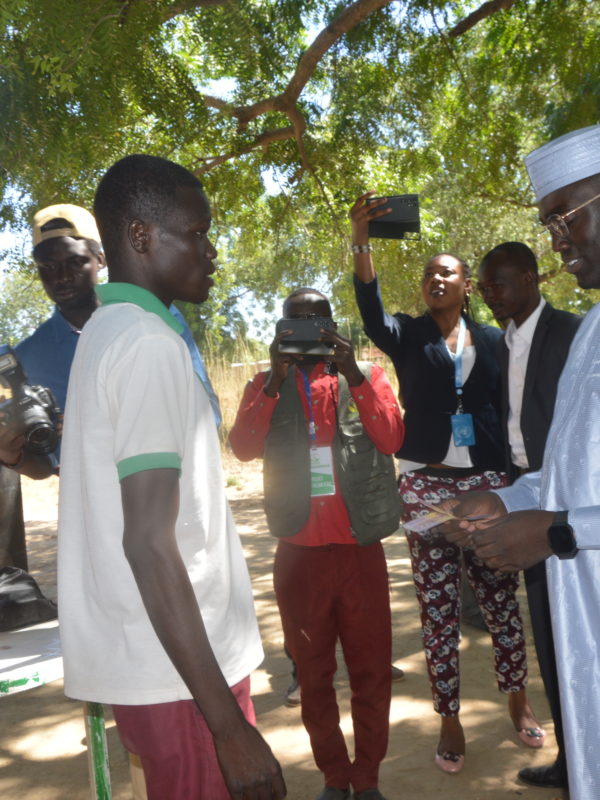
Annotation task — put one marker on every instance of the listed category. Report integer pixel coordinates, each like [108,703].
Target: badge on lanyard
[463,431]
[321,472]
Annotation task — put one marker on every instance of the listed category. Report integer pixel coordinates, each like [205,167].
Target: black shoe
[369,794]
[330,793]
[551,776]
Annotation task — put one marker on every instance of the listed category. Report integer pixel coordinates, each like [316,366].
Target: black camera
[305,335]
[32,408]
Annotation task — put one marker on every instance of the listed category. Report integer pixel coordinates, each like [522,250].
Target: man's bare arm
[150,506]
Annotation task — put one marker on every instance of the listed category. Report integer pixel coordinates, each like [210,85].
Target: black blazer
[549,350]
[426,375]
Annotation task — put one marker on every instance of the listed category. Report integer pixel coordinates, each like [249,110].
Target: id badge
[321,472]
[463,431]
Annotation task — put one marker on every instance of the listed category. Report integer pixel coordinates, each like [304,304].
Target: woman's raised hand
[362,212]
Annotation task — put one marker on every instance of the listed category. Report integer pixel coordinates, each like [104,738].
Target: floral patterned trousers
[436,566]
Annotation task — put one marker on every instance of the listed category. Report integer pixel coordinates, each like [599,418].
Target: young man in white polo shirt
[155,601]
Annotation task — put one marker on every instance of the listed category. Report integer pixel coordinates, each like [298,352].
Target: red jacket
[379,413]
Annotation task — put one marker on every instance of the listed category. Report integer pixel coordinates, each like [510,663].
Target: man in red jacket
[327,430]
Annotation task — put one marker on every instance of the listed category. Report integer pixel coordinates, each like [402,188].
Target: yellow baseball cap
[80,223]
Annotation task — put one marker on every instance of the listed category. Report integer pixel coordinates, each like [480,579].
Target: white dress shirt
[518,340]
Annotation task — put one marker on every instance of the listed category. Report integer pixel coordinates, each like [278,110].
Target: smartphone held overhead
[402,219]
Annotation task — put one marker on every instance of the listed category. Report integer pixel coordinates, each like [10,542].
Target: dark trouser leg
[541,623]
[13,552]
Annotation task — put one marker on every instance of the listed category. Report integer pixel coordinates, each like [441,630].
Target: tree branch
[346,20]
[184,6]
[284,102]
[484,10]
[217,102]
[263,140]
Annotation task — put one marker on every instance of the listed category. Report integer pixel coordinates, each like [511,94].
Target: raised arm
[361,212]
[253,420]
[383,329]
[375,401]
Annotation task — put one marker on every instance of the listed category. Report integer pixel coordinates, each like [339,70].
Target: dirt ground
[42,740]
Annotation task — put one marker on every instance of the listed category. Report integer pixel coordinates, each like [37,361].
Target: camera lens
[41,438]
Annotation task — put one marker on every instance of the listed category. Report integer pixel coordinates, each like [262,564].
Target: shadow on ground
[42,748]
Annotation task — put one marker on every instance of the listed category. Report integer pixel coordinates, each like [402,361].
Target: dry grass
[229,380]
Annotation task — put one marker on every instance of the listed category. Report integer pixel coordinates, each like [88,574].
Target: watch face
[562,540]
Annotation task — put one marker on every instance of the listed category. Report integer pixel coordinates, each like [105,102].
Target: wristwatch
[561,537]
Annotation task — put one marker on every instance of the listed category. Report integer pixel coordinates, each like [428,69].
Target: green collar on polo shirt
[109,293]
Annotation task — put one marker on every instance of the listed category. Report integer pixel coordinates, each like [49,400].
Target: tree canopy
[288,109]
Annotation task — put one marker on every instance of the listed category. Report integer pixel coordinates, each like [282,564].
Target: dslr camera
[32,408]
[305,335]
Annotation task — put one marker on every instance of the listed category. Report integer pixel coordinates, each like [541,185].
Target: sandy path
[42,752]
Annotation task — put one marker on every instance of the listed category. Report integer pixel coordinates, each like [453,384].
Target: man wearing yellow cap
[68,254]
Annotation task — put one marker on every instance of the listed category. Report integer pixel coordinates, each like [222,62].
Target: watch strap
[561,537]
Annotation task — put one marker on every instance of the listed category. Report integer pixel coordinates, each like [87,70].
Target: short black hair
[304,290]
[138,186]
[519,254]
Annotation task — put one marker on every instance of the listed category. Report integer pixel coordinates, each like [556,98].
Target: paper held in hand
[436,516]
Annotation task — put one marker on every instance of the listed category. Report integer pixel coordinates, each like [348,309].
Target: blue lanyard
[312,433]
[460,346]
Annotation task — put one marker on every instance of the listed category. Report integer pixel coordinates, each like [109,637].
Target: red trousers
[326,593]
[176,747]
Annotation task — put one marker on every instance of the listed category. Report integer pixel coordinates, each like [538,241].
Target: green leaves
[285,133]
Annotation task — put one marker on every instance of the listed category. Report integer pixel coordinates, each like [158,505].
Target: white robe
[570,480]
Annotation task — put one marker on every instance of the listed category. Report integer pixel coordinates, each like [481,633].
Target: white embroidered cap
[570,158]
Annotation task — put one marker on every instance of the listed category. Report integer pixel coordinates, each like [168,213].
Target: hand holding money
[459,518]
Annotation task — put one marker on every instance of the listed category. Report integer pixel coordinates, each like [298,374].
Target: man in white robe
[559,507]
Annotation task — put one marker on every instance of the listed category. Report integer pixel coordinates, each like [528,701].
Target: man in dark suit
[532,355]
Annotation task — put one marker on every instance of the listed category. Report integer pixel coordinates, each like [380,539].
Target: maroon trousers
[326,593]
[176,747]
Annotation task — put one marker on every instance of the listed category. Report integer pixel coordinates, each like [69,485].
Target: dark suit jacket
[426,376]
[549,350]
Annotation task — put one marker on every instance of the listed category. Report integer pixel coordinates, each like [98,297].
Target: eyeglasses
[557,223]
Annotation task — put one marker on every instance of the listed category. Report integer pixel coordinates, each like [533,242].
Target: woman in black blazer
[450,389]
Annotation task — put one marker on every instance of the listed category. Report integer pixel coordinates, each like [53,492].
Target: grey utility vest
[366,477]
